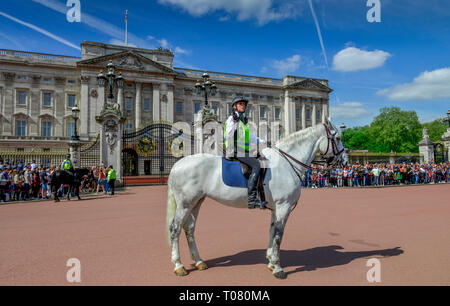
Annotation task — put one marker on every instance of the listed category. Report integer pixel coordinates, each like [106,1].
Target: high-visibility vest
[243,136]
[111,175]
[67,164]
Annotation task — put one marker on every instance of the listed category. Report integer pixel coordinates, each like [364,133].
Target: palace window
[71,100]
[318,115]
[308,114]
[21,77]
[47,99]
[277,113]
[21,97]
[179,107]
[215,109]
[128,104]
[262,112]
[46,129]
[146,104]
[128,127]
[21,128]
[196,107]
[47,79]
[70,128]
[297,113]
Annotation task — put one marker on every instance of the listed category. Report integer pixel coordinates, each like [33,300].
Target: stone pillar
[170,104]
[303,115]
[120,99]
[289,113]
[101,101]
[313,115]
[426,147]
[74,150]
[138,109]
[156,103]
[324,111]
[84,107]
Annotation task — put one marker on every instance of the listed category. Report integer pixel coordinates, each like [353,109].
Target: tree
[436,128]
[395,130]
[357,138]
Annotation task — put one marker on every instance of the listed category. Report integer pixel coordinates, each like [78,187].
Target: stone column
[170,104]
[101,102]
[156,103]
[324,110]
[426,147]
[289,113]
[120,99]
[313,115]
[74,150]
[138,109]
[84,107]
[303,115]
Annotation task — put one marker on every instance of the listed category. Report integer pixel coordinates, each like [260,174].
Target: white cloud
[164,43]
[180,50]
[288,65]
[428,85]
[348,110]
[354,59]
[263,11]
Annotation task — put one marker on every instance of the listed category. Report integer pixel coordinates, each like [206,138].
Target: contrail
[42,31]
[318,32]
[97,24]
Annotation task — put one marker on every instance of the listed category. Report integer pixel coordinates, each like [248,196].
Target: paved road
[329,238]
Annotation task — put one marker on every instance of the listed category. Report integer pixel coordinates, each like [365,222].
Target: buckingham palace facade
[38,91]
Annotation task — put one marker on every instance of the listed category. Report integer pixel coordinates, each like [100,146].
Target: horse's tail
[171,208]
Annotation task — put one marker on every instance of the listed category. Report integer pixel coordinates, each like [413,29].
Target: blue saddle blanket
[232,174]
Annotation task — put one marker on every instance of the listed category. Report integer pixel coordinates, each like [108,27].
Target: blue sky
[401,61]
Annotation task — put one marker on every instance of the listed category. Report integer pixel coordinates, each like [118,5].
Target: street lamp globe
[75,113]
[101,79]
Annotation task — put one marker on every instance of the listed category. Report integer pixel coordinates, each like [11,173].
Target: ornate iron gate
[152,151]
[90,153]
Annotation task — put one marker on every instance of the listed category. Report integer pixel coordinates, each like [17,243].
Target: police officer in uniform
[237,131]
[111,179]
[67,164]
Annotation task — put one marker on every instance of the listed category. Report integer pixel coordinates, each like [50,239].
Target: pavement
[331,238]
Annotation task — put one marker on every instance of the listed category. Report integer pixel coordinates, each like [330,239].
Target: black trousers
[111,185]
[252,162]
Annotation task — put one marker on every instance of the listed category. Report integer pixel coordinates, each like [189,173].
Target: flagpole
[126,27]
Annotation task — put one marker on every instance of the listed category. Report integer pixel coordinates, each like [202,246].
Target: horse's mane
[299,136]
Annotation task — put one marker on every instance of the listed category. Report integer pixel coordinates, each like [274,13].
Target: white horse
[196,177]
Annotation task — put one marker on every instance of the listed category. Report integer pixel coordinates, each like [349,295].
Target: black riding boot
[253,200]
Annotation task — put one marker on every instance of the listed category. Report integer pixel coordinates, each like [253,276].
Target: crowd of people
[29,181]
[378,174]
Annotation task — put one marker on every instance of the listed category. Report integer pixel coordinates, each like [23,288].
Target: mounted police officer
[237,131]
[67,164]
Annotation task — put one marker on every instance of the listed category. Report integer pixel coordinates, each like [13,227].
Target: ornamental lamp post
[448,117]
[75,116]
[206,88]
[110,78]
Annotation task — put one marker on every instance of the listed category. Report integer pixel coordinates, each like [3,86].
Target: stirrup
[257,204]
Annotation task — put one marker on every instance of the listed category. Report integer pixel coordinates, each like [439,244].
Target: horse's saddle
[236,174]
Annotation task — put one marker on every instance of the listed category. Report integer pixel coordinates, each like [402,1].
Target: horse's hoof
[181,271]
[280,275]
[201,266]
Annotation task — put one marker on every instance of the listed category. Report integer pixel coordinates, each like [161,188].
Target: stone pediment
[309,84]
[127,60]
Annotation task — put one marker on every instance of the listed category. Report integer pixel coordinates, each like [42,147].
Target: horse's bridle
[331,138]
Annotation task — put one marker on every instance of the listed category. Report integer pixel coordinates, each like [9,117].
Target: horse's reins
[288,157]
